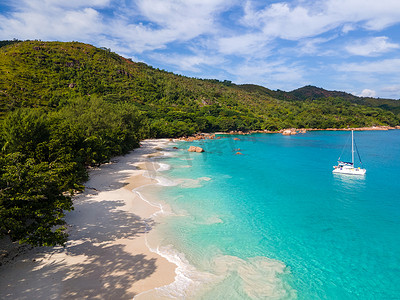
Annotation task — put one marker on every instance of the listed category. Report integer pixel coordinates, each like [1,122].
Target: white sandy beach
[106,256]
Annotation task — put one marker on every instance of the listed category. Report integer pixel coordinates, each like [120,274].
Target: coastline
[285,131]
[106,256]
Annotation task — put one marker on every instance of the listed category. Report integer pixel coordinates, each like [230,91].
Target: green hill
[47,74]
[67,106]
[312,92]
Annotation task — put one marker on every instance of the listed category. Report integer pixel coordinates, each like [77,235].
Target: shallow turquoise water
[276,223]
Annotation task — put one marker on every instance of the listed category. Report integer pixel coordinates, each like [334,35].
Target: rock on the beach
[291,131]
[195,149]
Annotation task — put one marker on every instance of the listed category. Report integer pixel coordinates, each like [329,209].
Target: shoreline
[286,131]
[304,130]
[106,256]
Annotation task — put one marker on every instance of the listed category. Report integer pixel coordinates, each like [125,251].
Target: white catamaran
[348,167]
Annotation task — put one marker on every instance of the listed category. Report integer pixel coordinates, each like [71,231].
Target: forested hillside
[43,74]
[67,106]
[314,93]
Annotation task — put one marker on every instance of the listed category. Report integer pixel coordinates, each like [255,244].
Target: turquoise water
[275,223]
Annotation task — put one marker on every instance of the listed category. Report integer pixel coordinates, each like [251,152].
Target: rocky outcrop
[197,137]
[195,149]
[291,131]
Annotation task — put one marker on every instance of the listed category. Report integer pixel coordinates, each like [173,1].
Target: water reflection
[349,183]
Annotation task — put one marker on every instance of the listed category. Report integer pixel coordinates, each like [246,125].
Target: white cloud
[288,22]
[307,19]
[192,63]
[153,24]
[141,25]
[372,46]
[277,74]
[37,21]
[367,93]
[45,5]
[385,66]
[170,21]
[392,88]
[348,27]
[373,15]
[247,44]
[312,46]
[392,91]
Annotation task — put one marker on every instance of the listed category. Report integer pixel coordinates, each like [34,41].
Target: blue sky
[346,45]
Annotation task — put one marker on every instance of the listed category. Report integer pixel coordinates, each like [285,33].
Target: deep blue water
[276,223]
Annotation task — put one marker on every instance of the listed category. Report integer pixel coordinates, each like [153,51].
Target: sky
[343,45]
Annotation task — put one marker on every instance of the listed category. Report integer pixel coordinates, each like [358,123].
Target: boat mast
[352,148]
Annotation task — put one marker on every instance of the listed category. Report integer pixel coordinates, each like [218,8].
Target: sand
[106,256]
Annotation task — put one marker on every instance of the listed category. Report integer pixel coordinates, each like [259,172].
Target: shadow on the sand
[118,171]
[107,273]
[101,270]
[92,265]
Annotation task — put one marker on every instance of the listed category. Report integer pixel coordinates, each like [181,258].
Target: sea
[261,216]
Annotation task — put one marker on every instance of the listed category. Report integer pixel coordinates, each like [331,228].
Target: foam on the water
[141,196]
[163,167]
[252,278]
[188,280]
[189,183]
[227,277]
[167,153]
[153,174]
[165,181]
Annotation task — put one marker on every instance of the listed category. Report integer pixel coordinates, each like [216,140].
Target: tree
[32,204]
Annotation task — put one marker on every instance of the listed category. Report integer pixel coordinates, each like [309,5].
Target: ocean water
[275,223]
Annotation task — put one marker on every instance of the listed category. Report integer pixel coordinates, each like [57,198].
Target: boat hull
[350,171]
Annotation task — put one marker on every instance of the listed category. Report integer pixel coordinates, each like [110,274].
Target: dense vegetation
[313,93]
[44,158]
[67,106]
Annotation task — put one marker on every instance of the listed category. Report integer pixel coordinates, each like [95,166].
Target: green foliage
[67,106]
[49,74]
[24,130]
[44,159]
[31,201]
[9,42]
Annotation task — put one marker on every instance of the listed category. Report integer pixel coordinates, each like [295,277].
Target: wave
[228,277]
[153,174]
[166,153]
[188,183]
[163,167]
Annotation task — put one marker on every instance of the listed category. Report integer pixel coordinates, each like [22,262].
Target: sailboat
[348,167]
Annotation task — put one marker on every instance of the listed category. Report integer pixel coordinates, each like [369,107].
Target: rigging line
[358,153]
[345,147]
